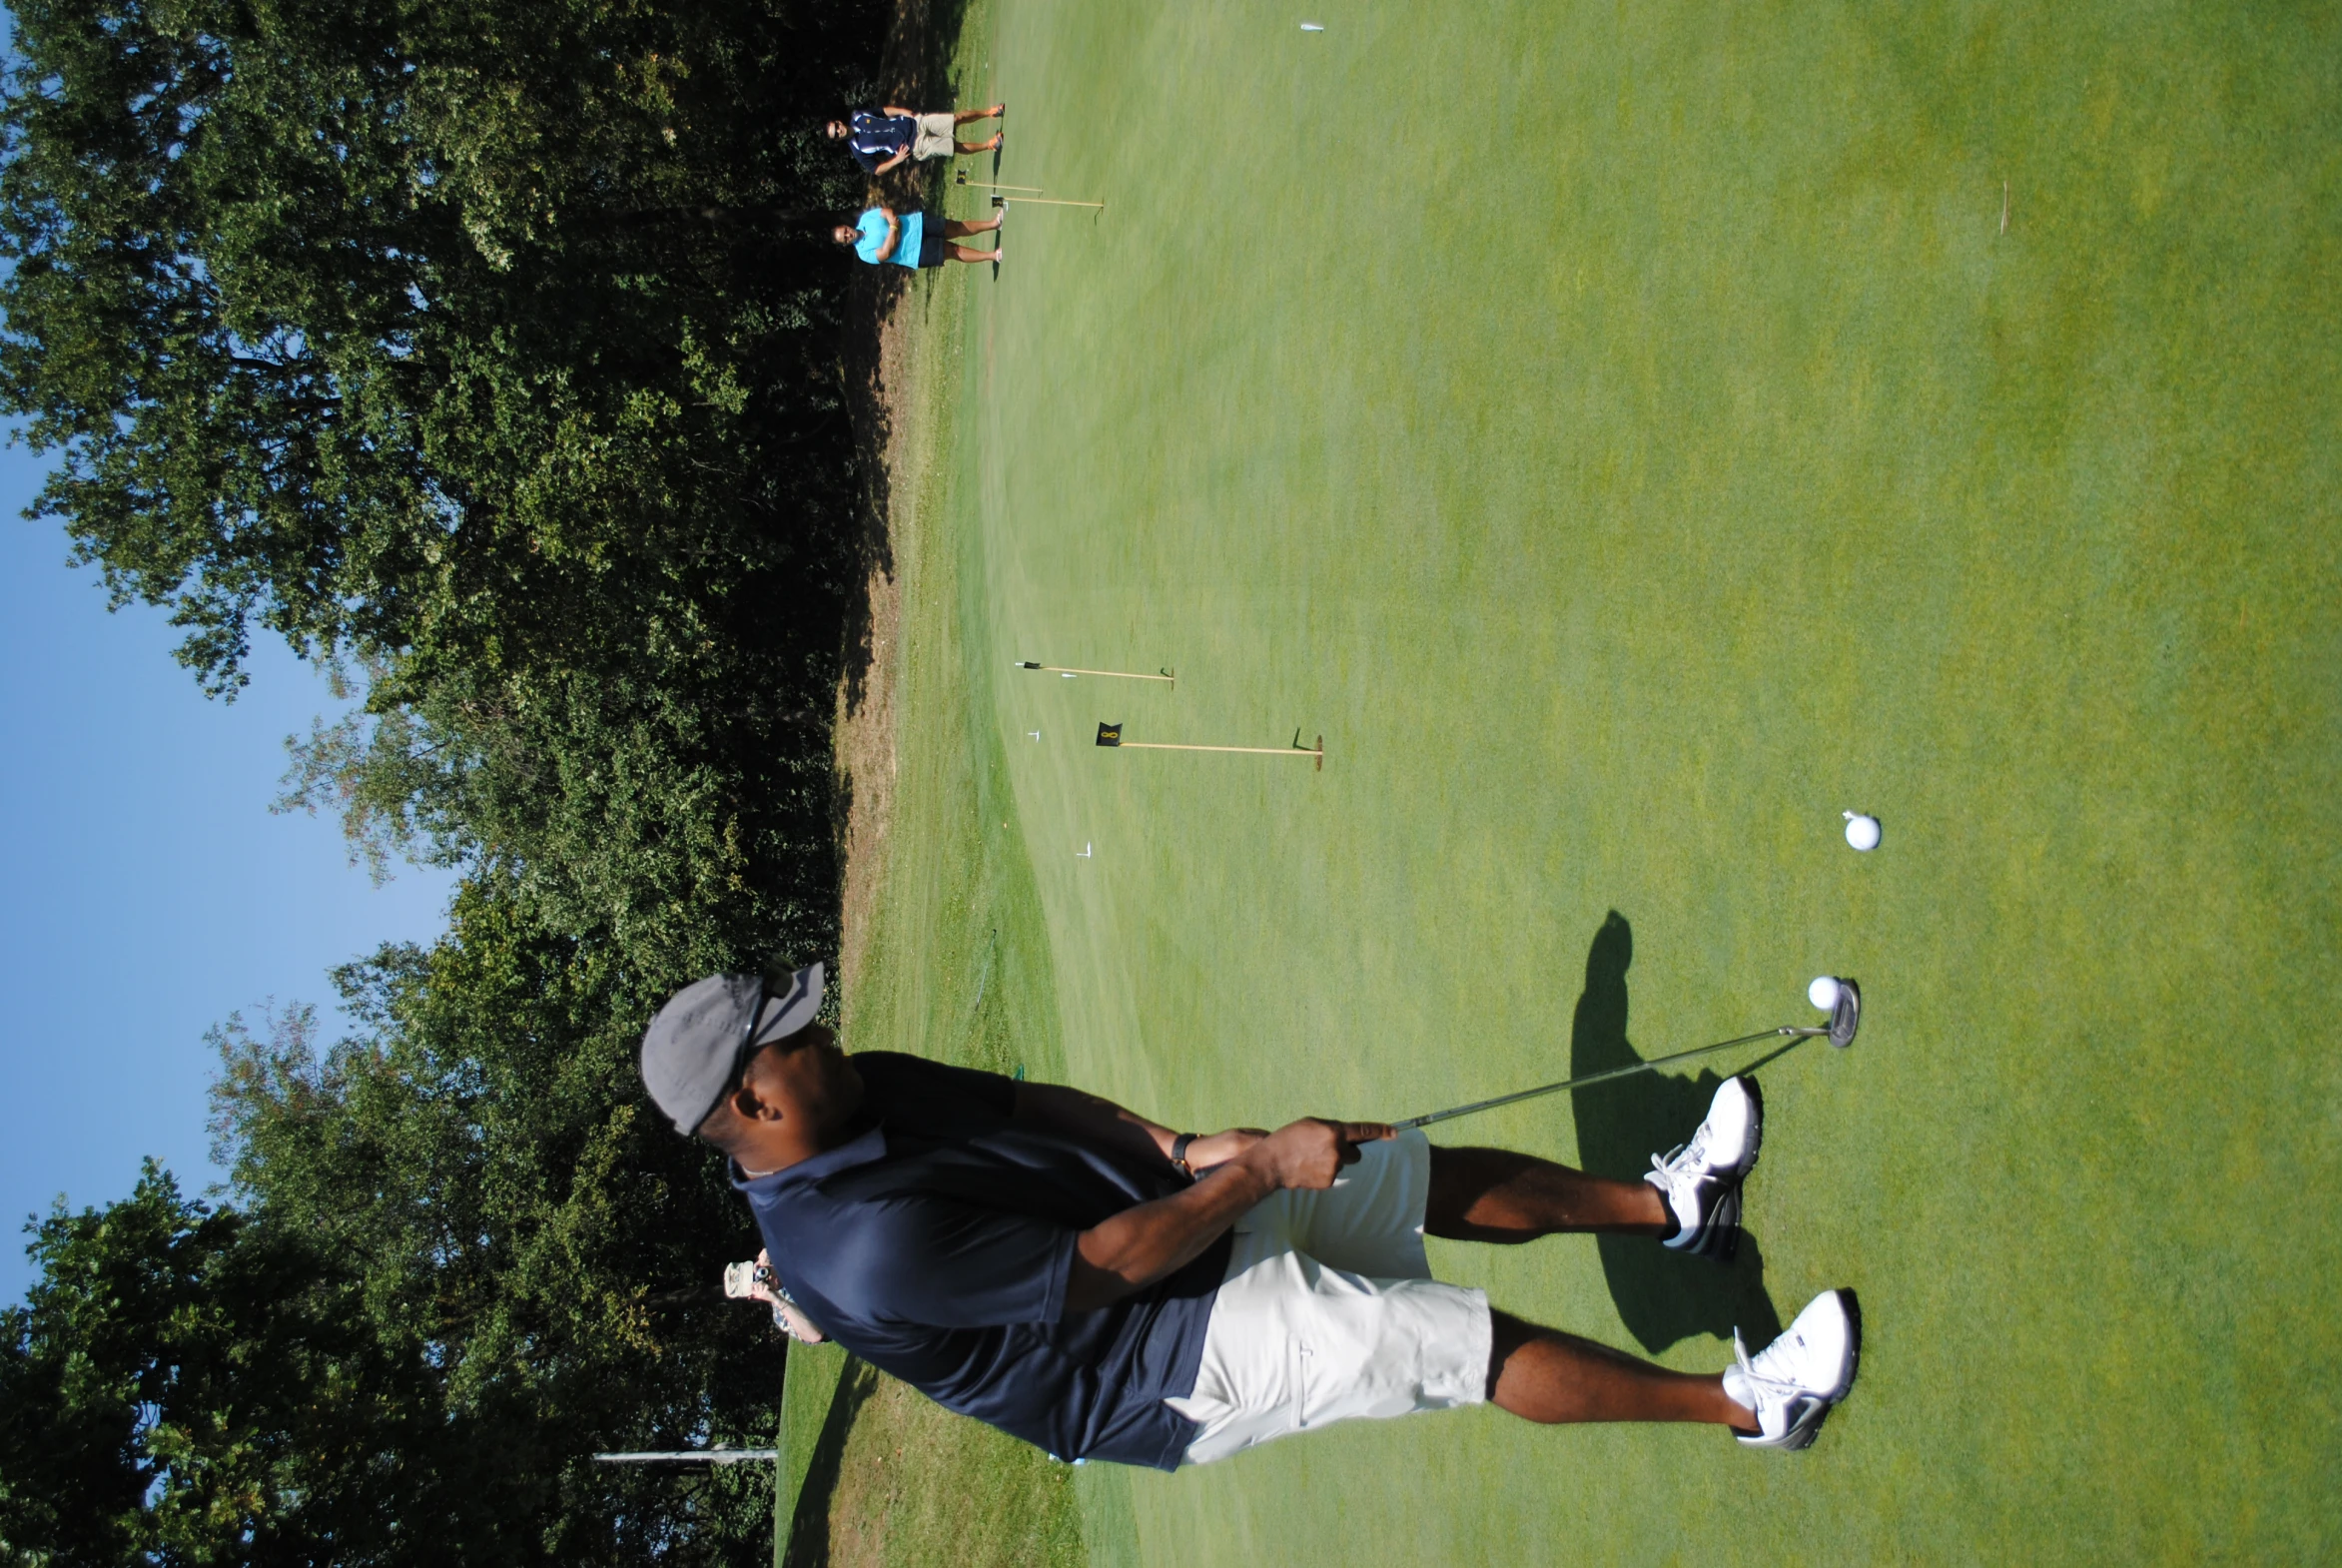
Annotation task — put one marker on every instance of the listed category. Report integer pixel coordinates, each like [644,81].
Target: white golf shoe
[1700,1180]
[1797,1380]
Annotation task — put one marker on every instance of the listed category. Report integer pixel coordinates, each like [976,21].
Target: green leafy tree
[481,1155]
[492,354]
[190,1386]
[462,1258]
[447,330]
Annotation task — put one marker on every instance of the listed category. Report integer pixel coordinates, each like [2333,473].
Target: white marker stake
[1085,855]
[1036,734]
[1312,27]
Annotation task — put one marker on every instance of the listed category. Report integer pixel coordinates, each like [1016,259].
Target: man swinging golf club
[1106,1288]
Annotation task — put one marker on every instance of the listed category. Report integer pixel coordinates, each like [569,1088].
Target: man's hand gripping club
[1141,1245]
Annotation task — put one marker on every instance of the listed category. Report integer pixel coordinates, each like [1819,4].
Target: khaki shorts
[935,138]
[1330,1311]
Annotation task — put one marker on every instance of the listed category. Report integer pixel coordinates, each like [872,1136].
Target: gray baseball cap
[693,1048]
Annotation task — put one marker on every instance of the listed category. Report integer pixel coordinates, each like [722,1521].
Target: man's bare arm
[890,163]
[894,236]
[1140,1245]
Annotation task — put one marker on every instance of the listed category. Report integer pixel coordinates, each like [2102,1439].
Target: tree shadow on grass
[1662,1296]
[809,1526]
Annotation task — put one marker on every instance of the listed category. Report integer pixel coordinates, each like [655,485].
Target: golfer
[893,133]
[1102,1286]
[908,240]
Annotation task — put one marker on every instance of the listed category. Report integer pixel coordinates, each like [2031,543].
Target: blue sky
[145,891]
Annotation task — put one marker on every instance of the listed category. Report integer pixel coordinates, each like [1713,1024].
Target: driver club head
[1847,1015]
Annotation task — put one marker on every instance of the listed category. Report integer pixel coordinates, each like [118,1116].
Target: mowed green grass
[1627,435]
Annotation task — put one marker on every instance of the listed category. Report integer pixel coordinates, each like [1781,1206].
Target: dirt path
[915,68]
[865,725]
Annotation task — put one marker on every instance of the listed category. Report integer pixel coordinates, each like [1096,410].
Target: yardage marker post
[1168,675]
[1111,735]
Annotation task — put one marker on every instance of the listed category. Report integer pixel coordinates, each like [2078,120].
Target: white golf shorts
[1330,1311]
[935,138]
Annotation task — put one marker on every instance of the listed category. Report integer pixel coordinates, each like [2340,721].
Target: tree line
[490,353]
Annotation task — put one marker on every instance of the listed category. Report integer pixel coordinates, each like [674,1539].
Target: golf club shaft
[1604,1077]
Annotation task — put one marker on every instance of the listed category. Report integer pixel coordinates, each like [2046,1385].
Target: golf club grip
[1604,1077]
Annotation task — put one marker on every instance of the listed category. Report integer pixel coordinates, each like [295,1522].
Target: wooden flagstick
[1062,669]
[1317,751]
[1045,201]
[1111,735]
[986,185]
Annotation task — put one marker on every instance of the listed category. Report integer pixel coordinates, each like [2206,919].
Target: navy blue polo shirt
[937,1247]
[874,138]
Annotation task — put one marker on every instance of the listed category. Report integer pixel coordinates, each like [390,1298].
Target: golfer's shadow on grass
[809,1526]
[1662,1296]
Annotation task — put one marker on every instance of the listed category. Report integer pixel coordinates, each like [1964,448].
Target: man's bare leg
[964,115]
[1495,1195]
[1543,1374]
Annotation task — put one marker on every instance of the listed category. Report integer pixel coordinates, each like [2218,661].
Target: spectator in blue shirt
[1095,1283]
[881,139]
[909,240]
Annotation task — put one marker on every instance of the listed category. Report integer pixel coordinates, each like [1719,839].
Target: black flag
[1109,734]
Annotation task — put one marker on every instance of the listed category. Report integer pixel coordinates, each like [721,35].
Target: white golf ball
[1862,831]
[1823,992]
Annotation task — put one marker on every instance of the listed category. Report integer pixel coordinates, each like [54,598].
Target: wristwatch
[1180,1153]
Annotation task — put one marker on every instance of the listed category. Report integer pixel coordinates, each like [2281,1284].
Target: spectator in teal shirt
[881,235]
